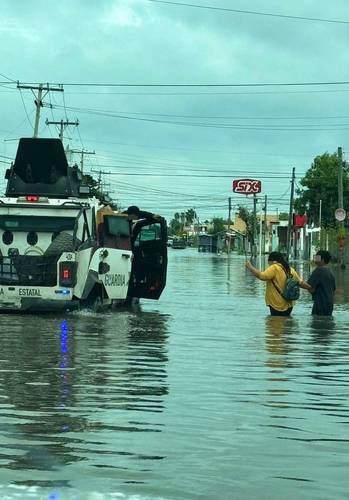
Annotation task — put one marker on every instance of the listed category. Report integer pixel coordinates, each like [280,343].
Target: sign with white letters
[247,186]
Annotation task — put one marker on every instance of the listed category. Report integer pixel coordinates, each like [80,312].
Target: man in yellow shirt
[275,275]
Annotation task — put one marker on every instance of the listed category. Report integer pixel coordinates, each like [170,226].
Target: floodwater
[201,395]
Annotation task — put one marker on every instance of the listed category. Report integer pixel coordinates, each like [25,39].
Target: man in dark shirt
[134,213]
[322,284]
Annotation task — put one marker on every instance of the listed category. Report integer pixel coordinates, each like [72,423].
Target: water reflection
[281,339]
[322,328]
[195,397]
[61,378]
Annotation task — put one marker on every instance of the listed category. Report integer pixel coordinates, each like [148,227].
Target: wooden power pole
[39,99]
[340,200]
[290,215]
[63,124]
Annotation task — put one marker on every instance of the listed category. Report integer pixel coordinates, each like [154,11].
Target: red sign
[247,186]
[299,220]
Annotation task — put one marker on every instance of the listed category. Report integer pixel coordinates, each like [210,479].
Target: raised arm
[253,270]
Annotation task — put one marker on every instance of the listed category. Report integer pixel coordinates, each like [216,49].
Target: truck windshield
[38,224]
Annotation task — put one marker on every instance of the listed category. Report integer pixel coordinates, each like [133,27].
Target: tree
[96,191]
[283,216]
[249,219]
[176,226]
[218,225]
[190,216]
[321,183]
[88,180]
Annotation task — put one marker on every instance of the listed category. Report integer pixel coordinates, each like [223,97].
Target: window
[32,238]
[36,223]
[150,233]
[117,226]
[7,237]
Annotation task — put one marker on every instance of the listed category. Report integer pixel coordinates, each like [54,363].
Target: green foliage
[180,220]
[249,219]
[190,216]
[218,225]
[321,183]
[283,216]
[341,232]
[175,227]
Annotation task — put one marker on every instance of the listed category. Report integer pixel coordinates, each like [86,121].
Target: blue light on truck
[65,291]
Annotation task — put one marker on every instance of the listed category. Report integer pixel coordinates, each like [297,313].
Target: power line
[210,117]
[211,93]
[251,12]
[197,85]
[205,151]
[8,78]
[310,127]
[25,109]
[165,174]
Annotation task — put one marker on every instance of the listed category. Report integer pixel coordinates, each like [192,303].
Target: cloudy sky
[171,138]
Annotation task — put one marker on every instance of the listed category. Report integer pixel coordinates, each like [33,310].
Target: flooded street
[201,395]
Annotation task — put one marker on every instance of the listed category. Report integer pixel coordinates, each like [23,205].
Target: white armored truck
[63,249]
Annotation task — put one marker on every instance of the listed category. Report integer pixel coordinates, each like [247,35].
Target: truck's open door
[149,267]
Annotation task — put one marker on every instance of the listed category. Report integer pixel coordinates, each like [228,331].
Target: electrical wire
[195,85]
[210,117]
[211,93]
[25,109]
[251,12]
[287,128]
[204,151]
[11,80]
[191,165]
[221,176]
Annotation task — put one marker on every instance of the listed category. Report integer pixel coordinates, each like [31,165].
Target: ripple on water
[199,396]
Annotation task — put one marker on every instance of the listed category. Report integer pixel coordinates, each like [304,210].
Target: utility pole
[260,235]
[229,222]
[229,212]
[290,215]
[254,249]
[101,185]
[100,173]
[340,200]
[320,217]
[39,99]
[62,125]
[340,179]
[83,152]
[265,222]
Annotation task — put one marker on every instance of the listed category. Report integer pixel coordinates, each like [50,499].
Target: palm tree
[190,216]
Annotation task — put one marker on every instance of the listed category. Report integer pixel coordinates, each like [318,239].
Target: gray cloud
[136,41]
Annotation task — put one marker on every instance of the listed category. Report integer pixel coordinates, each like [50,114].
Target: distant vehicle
[179,243]
[61,248]
[169,242]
